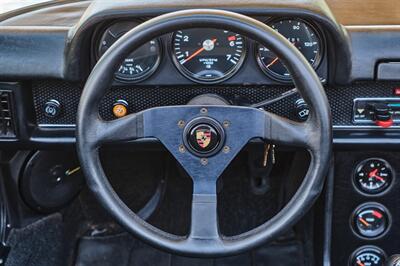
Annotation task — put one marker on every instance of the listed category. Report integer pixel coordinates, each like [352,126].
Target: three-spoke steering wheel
[205,139]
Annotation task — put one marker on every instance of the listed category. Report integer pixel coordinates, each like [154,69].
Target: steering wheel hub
[203,137]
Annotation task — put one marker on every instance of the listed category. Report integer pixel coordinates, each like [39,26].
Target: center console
[366,213]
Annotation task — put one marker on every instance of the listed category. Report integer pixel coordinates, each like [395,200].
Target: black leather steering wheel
[205,139]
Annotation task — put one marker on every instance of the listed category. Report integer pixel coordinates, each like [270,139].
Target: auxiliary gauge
[373,176]
[368,256]
[370,220]
[141,63]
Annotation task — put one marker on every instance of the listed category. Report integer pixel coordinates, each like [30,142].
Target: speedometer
[302,35]
[207,55]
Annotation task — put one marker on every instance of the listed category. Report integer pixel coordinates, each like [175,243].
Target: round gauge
[370,220]
[141,63]
[302,35]
[373,176]
[208,55]
[368,256]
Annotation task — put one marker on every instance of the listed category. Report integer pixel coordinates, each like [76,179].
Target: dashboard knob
[382,115]
[393,260]
[302,109]
[52,108]
[120,108]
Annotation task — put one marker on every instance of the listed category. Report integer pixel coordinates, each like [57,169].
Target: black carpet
[122,249]
[38,244]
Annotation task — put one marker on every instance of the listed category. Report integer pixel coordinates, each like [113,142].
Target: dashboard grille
[140,98]
[7,123]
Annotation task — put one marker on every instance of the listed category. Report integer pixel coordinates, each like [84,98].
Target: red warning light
[232,38]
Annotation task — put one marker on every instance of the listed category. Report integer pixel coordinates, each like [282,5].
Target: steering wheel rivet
[181,124]
[182,148]
[226,149]
[203,110]
[204,161]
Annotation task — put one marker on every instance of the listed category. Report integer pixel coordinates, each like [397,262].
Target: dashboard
[43,69]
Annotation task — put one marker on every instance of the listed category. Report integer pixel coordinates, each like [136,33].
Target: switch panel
[379,112]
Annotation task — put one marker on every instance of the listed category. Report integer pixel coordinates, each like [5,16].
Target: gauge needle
[273,62]
[360,263]
[196,53]
[363,221]
[374,174]
[73,171]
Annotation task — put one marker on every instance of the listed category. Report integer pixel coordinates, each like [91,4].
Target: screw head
[181,123]
[203,110]
[226,149]
[226,124]
[181,148]
[204,161]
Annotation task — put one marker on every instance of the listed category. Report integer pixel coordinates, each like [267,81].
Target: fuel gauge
[373,176]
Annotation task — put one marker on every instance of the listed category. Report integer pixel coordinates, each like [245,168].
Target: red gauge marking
[377,214]
[363,221]
[273,62]
[196,53]
[360,263]
[232,38]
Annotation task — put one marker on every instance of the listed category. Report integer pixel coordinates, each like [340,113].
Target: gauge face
[373,176]
[208,55]
[302,35]
[141,63]
[368,256]
[370,220]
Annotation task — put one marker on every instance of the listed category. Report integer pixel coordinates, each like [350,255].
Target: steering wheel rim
[315,135]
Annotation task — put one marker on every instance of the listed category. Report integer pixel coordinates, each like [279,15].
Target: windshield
[9,5]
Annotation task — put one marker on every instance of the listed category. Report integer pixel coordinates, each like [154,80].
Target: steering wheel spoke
[123,129]
[288,132]
[204,224]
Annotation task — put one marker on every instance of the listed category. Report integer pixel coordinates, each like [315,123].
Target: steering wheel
[205,139]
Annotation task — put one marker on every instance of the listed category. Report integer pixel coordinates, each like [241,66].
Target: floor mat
[123,249]
[38,244]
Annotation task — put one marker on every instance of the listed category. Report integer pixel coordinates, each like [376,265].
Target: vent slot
[7,123]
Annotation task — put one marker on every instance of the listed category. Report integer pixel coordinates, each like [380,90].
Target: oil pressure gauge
[373,176]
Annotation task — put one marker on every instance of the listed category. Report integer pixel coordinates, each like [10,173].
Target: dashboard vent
[7,123]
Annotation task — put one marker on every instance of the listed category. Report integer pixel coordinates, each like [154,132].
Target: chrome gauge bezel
[277,77]
[189,75]
[371,205]
[362,249]
[385,190]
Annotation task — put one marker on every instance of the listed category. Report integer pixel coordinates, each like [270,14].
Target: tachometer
[141,63]
[302,35]
[208,55]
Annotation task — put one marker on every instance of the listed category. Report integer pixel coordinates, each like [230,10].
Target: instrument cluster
[211,56]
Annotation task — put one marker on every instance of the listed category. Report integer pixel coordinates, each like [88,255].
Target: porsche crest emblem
[203,137]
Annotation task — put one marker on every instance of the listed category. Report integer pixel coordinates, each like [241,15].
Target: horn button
[203,137]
